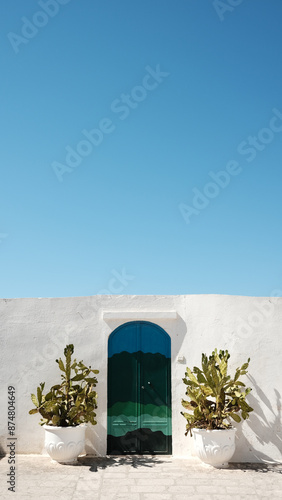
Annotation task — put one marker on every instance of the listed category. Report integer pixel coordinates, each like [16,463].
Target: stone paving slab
[138,478]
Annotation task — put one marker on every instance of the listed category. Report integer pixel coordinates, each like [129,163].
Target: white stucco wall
[34,333]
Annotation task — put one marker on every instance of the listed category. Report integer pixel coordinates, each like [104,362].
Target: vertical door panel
[123,406]
[155,397]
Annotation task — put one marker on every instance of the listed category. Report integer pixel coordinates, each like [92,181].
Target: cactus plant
[69,403]
[215,397]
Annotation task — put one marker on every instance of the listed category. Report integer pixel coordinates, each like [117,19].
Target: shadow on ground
[257,467]
[135,462]
[96,463]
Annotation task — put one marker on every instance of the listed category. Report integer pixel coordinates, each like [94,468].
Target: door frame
[169,380]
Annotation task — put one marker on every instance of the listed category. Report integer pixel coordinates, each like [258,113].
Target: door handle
[142,386]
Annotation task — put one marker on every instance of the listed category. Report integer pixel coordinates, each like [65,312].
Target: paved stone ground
[139,478]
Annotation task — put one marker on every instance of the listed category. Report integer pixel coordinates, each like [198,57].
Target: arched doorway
[139,390]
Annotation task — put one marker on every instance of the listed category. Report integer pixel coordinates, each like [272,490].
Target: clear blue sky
[175,90]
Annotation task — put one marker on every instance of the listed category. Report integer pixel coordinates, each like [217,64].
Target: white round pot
[215,447]
[64,444]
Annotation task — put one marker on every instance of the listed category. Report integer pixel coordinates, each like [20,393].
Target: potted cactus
[66,408]
[215,399]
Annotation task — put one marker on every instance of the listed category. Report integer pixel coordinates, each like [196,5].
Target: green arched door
[139,390]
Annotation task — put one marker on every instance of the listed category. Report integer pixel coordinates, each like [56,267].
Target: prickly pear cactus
[72,402]
[215,397]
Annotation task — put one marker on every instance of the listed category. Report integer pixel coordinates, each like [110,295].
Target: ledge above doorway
[139,315]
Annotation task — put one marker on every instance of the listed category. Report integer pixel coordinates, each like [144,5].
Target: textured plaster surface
[34,333]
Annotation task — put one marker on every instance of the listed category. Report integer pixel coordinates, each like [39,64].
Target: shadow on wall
[266,432]
[95,440]
[178,339]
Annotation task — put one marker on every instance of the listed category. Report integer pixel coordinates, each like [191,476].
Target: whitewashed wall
[34,333]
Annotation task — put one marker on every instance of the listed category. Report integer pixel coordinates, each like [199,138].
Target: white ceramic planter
[64,444]
[214,447]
